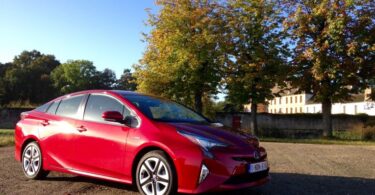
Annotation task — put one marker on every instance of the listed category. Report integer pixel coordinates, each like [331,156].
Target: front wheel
[155,175]
[32,162]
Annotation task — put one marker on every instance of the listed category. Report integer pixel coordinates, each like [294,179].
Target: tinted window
[53,107]
[43,107]
[69,107]
[97,104]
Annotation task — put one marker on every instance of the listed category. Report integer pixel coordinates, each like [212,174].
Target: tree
[27,78]
[106,79]
[257,54]
[183,58]
[127,81]
[75,75]
[3,68]
[334,49]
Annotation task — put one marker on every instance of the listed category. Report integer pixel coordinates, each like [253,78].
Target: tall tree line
[33,78]
[247,47]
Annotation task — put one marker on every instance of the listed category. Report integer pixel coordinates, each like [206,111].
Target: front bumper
[229,171]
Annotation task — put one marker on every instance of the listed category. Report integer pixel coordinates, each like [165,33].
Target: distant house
[292,102]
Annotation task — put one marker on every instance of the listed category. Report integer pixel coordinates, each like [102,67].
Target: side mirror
[112,116]
[131,121]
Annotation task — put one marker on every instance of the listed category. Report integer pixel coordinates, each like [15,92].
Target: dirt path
[295,169]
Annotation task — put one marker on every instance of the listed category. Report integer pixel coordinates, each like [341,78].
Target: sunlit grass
[6,137]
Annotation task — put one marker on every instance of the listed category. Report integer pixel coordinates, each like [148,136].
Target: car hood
[234,139]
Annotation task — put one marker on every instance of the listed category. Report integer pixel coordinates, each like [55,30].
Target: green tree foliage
[3,68]
[257,54]
[127,81]
[183,58]
[28,77]
[335,49]
[106,79]
[77,75]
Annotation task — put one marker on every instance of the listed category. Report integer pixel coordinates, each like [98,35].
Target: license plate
[256,167]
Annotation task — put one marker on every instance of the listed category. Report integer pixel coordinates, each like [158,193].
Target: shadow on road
[281,183]
[289,183]
[99,182]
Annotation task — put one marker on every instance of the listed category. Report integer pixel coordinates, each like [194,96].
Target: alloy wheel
[31,160]
[154,177]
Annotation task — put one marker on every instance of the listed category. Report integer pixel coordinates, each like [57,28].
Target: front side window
[69,106]
[98,104]
[164,110]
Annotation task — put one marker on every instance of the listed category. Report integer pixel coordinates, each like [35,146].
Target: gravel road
[295,169]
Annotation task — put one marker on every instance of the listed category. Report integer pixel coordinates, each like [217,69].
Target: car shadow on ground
[281,183]
[97,182]
[290,183]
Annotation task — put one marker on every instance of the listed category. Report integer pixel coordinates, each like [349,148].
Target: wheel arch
[144,151]
[27,141]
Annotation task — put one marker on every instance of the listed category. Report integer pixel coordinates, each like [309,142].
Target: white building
[302,103]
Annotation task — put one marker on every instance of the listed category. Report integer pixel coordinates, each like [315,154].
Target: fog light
[204,173]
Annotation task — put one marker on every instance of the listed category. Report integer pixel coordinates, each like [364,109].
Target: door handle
[81,128]
[45,123]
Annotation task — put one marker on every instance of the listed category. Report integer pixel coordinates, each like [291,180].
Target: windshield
[164,110]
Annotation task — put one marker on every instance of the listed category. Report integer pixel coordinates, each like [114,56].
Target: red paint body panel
[108,150]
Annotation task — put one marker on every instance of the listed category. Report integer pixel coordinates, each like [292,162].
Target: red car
[157,144]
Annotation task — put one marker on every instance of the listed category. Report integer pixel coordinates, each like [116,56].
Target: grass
[6,137]
[317,141]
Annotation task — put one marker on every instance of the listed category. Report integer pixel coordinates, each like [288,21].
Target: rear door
[59,131]
[101,145]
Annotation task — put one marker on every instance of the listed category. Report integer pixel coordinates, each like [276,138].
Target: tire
[156,172]
[32,162]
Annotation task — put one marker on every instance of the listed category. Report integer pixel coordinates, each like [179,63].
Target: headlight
[204,142]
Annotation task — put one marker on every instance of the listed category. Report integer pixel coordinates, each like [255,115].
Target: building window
[279,110]
[291,99]
[344,109]
[355,109]
[286,100]
[300,109]
[300,98]
[280,100]
[295,99]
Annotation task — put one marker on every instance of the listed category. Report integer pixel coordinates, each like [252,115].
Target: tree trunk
[198,101]
[254,121]
[327,118]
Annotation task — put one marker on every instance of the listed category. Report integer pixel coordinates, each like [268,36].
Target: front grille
[246,178]
[249,159]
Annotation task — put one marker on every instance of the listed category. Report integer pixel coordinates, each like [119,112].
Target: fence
[295,125]
[10,116]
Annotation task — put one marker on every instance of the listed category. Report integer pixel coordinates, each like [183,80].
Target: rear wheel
[32,162]
[155,175]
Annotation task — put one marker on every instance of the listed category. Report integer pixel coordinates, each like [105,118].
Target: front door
[101,144]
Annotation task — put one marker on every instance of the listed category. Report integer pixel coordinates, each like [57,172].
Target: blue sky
[107,32]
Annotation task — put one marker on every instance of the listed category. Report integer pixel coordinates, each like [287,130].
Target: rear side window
[97,104]
[43,108]
[53,107]
[69,106]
